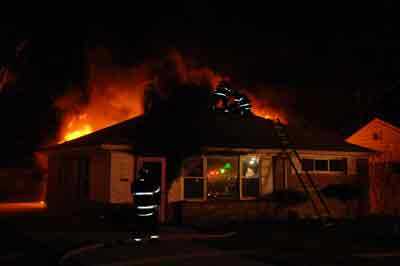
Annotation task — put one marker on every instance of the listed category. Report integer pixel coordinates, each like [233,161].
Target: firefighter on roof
[241,103]
[146,198]
[221,97]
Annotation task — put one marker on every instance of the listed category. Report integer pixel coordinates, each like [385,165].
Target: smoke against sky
[326,71]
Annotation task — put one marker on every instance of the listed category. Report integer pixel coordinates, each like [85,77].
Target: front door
[280,172]
[157,167]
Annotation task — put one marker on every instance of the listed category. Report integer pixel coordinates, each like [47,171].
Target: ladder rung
[319,204]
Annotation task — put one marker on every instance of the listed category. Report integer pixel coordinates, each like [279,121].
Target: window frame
[239,159]
[326,162]
[204,178]
[328,171]
[340,171]
[233,157]
[241,176]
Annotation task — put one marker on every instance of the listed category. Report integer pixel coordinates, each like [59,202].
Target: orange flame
[262,109]
[269,114]
[114,94]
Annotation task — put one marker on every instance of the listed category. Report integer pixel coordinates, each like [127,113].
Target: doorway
[281,170]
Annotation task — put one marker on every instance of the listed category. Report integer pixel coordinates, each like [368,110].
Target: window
[395,168]
[193,167]
[222,178]
[331,165]
[250,177]
[308,164]
[83,178]
[193,179]
[194,188]
[362,167]
[337,165]
[377,135]
[321,165]
[74,172]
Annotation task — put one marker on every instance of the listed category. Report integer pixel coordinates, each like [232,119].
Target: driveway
[166,252]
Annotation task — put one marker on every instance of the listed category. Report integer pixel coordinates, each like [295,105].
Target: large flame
[269,113]
[115,93]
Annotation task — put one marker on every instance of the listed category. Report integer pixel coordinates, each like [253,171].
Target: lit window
[250,177]
[222,178]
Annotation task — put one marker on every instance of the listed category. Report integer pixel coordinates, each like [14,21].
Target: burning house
[217,163]
[210,165]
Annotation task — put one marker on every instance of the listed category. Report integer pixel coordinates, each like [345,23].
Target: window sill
[249,198]
[324,172]
[223,200]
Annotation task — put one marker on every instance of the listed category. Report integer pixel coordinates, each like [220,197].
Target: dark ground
[309,243]
[40,238]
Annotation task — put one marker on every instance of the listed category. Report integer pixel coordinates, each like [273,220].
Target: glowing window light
[228,166]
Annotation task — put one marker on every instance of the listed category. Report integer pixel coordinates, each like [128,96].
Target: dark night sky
[341,63]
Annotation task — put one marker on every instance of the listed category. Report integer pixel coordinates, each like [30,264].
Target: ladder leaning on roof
[309,186]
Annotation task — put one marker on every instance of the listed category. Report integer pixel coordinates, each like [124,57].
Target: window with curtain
[250,177]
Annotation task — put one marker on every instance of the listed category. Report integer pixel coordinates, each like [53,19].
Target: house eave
[277,150]
[87,148]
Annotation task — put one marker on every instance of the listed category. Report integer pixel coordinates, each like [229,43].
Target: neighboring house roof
[159,132]
[377,135]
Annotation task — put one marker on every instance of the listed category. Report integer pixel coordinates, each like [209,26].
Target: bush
[287,197]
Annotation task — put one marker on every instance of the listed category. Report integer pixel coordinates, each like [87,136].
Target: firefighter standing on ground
[146,198]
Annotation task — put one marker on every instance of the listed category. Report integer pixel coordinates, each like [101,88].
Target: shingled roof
[159,132]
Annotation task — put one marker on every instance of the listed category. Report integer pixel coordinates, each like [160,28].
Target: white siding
[121,177]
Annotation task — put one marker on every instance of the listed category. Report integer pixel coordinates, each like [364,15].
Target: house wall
[55,194]
[100,176]
[384,187]
[338,209]
[379,136]
[199,211]
[175,192]
[121,177]
[248,210]
[65,185]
